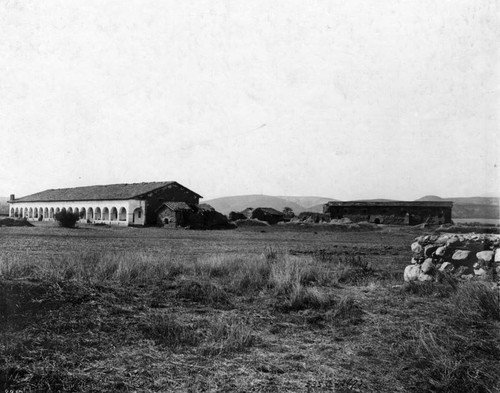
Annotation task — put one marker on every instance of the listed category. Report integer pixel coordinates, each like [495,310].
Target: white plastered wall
[131,206]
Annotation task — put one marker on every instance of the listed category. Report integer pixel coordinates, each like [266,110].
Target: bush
[67,219]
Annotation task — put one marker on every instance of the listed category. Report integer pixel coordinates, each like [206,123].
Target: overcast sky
[343,99]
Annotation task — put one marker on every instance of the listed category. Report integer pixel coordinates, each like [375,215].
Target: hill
[491,201]
[470,207]
[307,201]
[298,204]
[226,205]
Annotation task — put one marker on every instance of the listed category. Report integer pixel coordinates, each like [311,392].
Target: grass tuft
[229,335]
[353,270]
[205,292]
[477,301]
[302,298]
[165,330]
[427,288]
[346,309]
[290,272]
[446,362]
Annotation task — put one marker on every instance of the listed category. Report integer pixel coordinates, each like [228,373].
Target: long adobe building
[115,204]
[392,212]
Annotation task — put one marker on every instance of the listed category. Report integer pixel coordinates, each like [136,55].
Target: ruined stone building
[393,212]
[116,204]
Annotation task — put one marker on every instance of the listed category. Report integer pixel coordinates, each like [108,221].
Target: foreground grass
[273,320]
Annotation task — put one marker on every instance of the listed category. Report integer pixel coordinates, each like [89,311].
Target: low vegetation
[155,310]
[66,219]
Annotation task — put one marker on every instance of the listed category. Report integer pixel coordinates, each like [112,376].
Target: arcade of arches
[111,214]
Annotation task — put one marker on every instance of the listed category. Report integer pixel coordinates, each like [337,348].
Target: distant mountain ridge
[470,207]
[463,207]
[492,201]
[226,205]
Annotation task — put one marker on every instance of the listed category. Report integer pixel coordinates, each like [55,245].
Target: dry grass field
[99,309]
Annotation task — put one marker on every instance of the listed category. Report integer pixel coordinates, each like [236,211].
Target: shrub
[66,219]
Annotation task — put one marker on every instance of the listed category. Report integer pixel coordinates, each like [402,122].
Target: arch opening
[123,214]
[90,214]
[114,214]
[98,213]
[105,214]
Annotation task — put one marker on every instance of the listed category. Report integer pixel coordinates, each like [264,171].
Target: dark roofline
[394,203]
[137,196]
[270,210]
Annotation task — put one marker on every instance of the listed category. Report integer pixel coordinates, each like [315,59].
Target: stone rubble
[463,255]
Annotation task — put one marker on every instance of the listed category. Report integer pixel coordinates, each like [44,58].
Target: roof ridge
[118,191]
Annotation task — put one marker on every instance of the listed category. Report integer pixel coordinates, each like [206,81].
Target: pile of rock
[462,255]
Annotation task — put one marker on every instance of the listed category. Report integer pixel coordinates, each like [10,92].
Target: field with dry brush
[99,309]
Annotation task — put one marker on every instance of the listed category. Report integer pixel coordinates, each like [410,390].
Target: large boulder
[440,251]
[428,266]
[485,256]
[425,277]
[416,248]
[412,272]
[460,255]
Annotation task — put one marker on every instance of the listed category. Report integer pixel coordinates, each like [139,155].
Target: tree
[66,219]
[288,212]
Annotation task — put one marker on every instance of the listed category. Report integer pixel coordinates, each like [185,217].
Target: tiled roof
[176,206]
[271,211]
[91,193]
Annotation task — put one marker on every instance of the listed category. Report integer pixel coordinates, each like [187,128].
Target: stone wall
[462,255]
